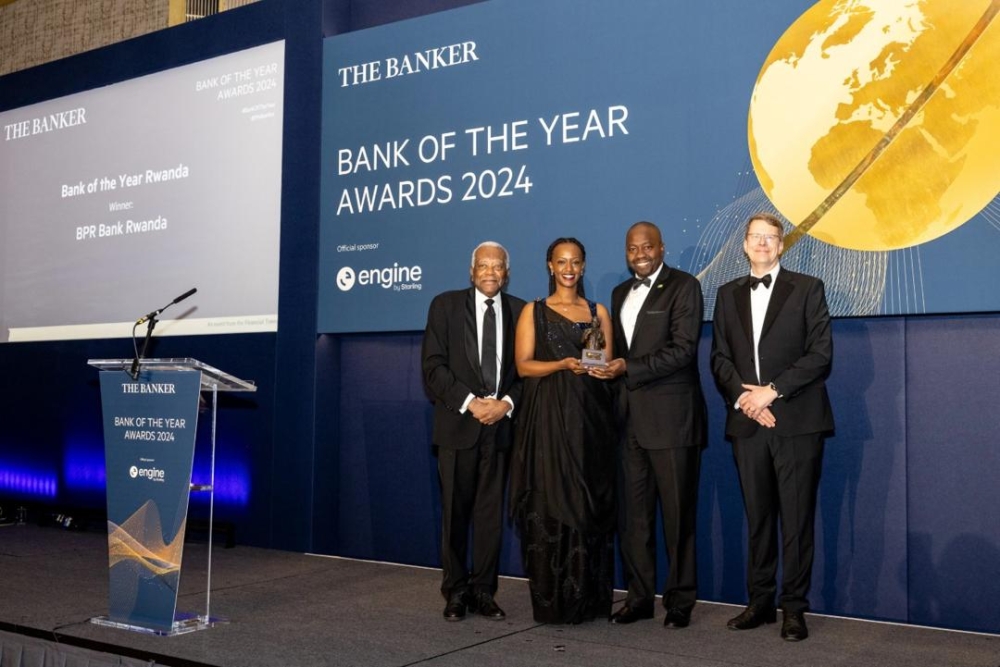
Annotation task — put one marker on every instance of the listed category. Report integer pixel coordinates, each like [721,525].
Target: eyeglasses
[769,239]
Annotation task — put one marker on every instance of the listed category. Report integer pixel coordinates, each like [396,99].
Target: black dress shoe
[793,626]
[487,607]
[455,609]
[752,617]
[628,614]
[677,618]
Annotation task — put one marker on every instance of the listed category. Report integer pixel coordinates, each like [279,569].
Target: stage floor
[297,610]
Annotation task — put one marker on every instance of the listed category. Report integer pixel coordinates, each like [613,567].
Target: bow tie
[644,281]
[757,281]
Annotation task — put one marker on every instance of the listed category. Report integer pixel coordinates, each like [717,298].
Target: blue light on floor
[22,481]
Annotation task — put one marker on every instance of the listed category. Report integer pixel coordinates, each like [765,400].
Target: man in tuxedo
[468,365]
[771,354]
[657,323]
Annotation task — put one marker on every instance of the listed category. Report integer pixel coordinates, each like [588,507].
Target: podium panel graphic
[150,420]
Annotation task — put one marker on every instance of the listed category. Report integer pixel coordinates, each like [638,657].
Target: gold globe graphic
[875,124]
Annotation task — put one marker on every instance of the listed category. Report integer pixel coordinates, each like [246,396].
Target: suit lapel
[782,289]
[742,298]
[655,289]
[471,334]
[507,347]
[617,301]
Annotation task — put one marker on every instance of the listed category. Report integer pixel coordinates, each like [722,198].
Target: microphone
[146,318]
[151,318]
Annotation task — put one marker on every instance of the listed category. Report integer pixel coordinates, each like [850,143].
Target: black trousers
[472,489]
[669,476]
[779,477]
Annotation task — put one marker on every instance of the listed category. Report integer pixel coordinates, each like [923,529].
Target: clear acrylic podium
[212,381]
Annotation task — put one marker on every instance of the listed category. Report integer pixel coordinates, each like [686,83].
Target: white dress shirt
[480,309]
[633,304]
[759,298]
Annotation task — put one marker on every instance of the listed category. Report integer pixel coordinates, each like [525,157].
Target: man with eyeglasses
[771,353]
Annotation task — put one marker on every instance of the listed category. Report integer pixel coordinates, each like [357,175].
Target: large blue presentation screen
[869,127]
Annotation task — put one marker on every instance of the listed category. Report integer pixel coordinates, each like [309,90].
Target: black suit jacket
[796,350]
[452,370]
[660,393]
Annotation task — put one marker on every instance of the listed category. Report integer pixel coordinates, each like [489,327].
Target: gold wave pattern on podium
[139,540]
[874,124]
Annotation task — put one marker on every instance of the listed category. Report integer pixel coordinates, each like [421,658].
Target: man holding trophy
[657,324]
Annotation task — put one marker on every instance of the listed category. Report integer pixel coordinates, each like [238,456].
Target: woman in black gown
[563,464]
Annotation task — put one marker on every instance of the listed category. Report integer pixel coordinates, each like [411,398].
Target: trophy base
[593,359]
